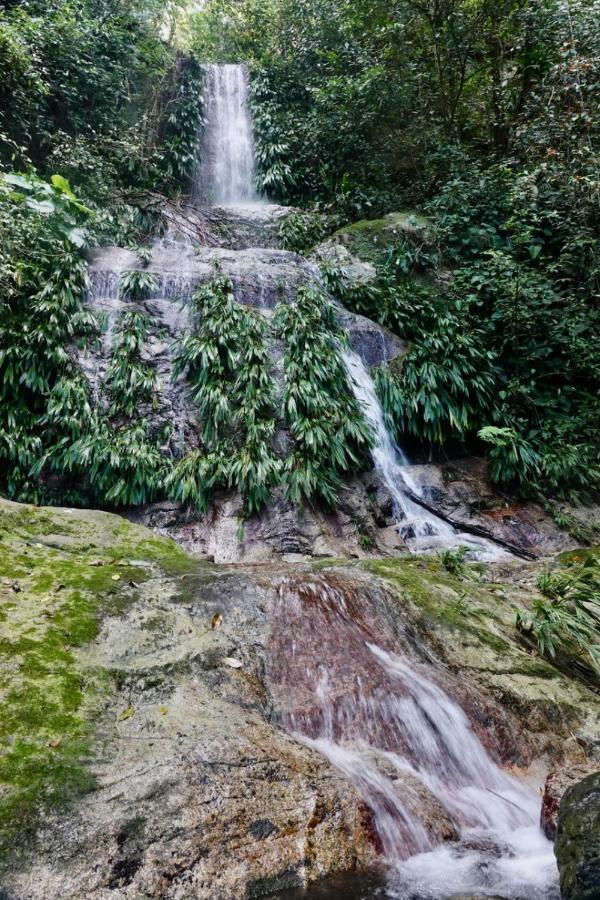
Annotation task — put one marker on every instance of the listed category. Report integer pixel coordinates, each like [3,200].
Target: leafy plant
[227,364]
[301,231]
[330,435]
[565,621]
[130,381]
[453,560]
[136,285]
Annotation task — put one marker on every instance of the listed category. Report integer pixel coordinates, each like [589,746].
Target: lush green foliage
[454,560]
[226,361]
[43,278]
[301,231]
[487,114]
[565,621]
[227,364]
[48,423]
[130,381]
[330,435]
[441,389]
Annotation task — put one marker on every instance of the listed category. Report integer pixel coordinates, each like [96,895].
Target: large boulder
[558,782]
[369,240]
[578,840]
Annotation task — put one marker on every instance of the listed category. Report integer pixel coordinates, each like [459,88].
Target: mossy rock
[370,239]
[61,573]
[472,620]
[578,840]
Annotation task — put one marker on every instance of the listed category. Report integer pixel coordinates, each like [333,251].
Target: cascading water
[409,749]
[420,529]
[226,174]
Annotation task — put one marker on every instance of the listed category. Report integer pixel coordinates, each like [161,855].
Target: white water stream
[226,174]
[408,748]
[379,717]
[421,529]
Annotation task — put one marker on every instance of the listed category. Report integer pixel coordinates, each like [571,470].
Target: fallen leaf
[163,710]
[126,714]
[116,578]
[216,620]
[56,743]
[232,663]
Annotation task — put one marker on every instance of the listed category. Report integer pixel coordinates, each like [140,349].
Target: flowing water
[445,817]
[421,529]
[226,174]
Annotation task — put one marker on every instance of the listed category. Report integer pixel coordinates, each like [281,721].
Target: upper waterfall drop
[226,173]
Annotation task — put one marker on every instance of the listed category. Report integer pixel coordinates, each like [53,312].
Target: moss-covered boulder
[371,239]
[578,840]
[61,574]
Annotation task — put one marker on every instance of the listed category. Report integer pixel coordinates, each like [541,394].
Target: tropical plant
[453,560]
[330,434]
[301,231]
[136,285]
[131,382]
[565,621]
[227,364]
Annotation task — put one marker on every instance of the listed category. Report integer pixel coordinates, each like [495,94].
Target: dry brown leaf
[217,620]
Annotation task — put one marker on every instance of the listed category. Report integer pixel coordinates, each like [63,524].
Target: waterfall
[408,748]
[422,530]
[226,174]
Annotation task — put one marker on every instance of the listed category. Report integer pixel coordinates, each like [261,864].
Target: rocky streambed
[143,749]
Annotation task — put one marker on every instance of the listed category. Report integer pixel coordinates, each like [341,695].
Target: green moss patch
[370,239]
[61,573]
[483,617]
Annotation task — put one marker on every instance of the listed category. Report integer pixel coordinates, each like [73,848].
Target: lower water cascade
[421,530]
[447,820]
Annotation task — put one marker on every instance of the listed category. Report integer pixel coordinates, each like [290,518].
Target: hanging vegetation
[330,435]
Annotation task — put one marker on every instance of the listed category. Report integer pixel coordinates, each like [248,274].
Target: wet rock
[578,840]
[251,225]
[462,492]
[189,789]
[172,779]
[337,256]
[557,783]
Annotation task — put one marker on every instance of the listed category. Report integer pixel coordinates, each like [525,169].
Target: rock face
[166,779]
[137,703]
[227,240]
[557,783]
[262,278]
[578,840]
